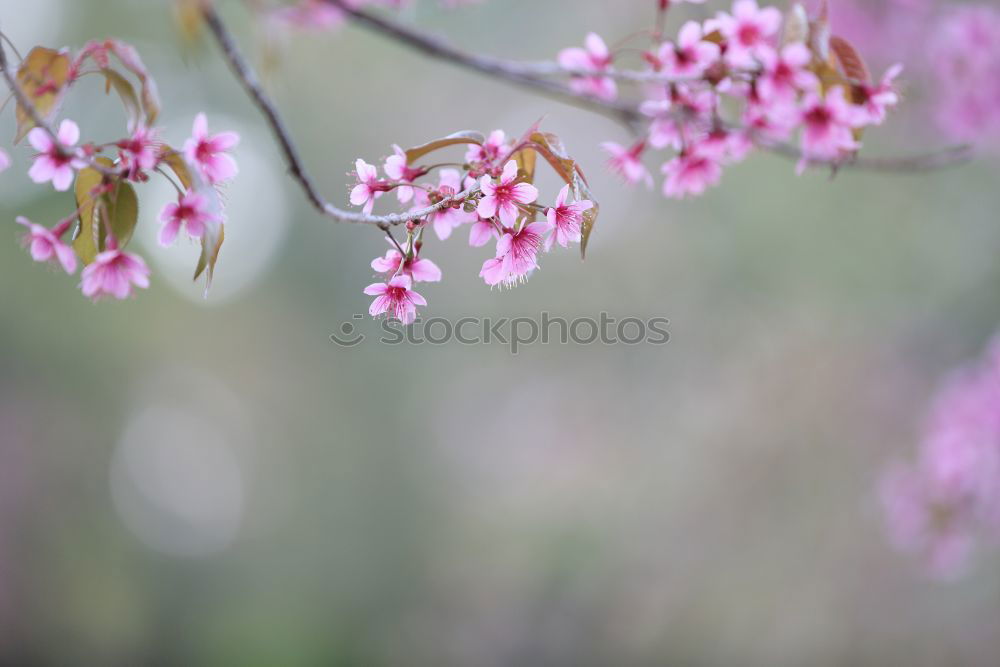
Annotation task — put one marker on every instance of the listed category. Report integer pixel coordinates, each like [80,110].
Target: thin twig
[532,75]
[251,83]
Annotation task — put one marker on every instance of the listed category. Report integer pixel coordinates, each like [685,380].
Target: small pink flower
[446,219]
[368,188]
[45,244]
[112,273]
[691,56]
[827,125]
[516,255]
[140,152]
[503,197]
[876,100]
[594,58]
[481,231]
[785,73]
[690,173]
[191,211]
[491,150]
[397,169]
[565,220]
[56,161]
[750,31]
[396,299]
[419,269]
[626,163]
[4,160]
[207,152]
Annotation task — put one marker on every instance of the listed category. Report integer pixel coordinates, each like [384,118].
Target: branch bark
[296,168]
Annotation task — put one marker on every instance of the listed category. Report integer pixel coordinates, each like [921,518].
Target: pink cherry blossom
[208,152]
[417,268]
[397,169]
[491,150]
[446,219]
[368,189]
[750,31]
[395,298]
[626,163]
[481,231]
[565,219]
[691,56]
[113,273]
[46,245]
[502,198]
[827,125]
[56,162]
[877,100]
[190,211]
[140,152]
[785,73]
[516,255]
[596,58]
[690,173]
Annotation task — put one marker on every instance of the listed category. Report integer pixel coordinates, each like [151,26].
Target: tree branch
[251,83]
[533,75]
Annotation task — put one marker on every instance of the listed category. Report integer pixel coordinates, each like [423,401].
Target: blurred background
[212,481]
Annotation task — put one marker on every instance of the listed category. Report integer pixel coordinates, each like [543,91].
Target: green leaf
[126,91]
[175,160]
[117,208]
[466,137]
[44,77]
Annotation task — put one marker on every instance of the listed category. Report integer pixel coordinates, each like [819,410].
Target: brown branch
[251,83]
[533,75]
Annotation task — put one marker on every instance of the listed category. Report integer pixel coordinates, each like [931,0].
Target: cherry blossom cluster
[103,174]
[742,78]
[940,504]
[487,193]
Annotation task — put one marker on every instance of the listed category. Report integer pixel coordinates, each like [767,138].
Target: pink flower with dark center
[596,58]
[56,162]
[46,245]
[207,152]
[565,220]
[190,211]
[113,273]
[626,163]
[750,31]
[785,73]
[502,198]
[876,100]
[690,173]
[369,188]
[516,255]
[827,125]
[491,150]
[396,299]
[140,152]
[691,56]
[420,270]
[397,169]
